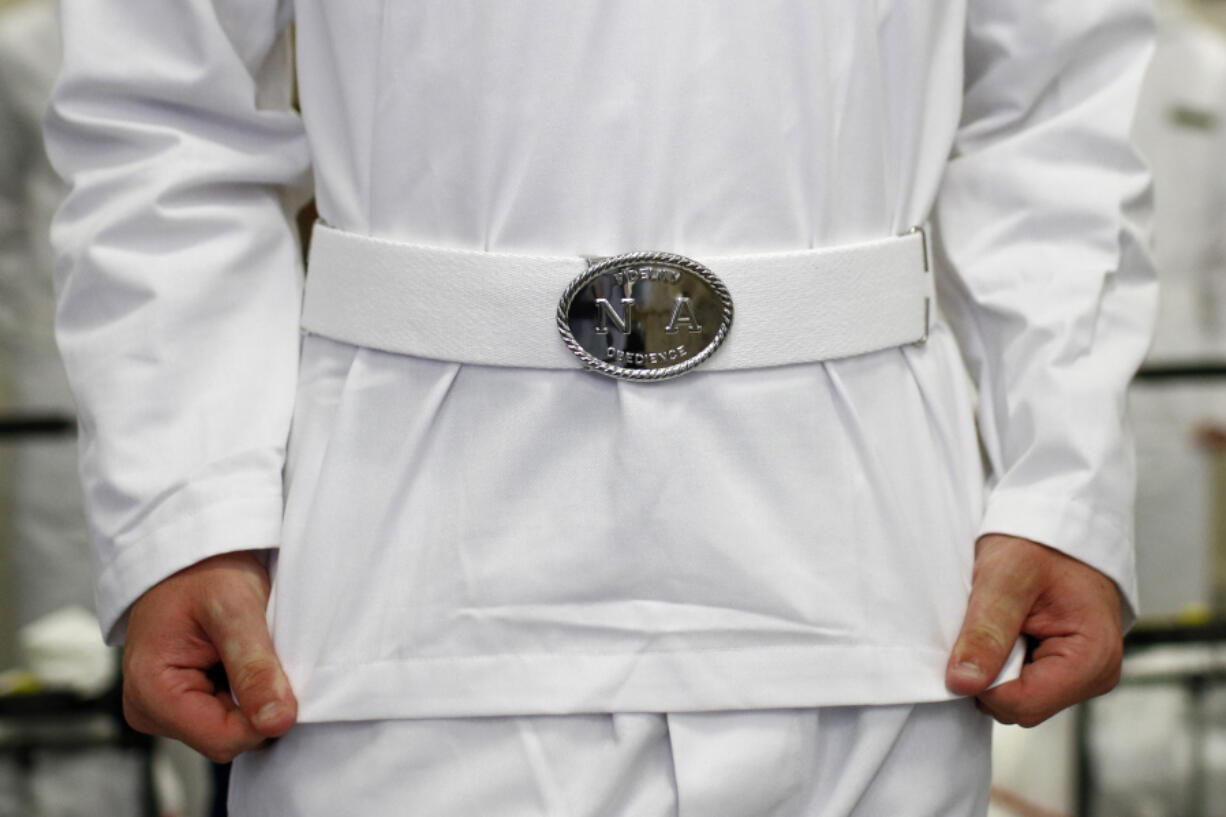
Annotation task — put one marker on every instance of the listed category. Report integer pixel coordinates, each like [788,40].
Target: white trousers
[922,760]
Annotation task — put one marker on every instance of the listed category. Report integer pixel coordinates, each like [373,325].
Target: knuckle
[133,699]
[133,713]
[137,666]
[1109,682]
[986,638]
[227,606]
[1029,720]
[1024,713]
[216,751]
[1003,716]
[255,674]
[127,664]
[224,610]
[1110,669]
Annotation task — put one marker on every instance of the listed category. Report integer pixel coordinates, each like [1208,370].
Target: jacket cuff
[1102,541]
[242,520]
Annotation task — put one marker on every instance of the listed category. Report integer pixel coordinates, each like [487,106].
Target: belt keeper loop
[923,234]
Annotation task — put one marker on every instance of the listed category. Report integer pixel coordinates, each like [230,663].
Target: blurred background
[1156,747]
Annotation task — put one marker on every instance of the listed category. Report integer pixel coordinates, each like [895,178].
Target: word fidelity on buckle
[644,316]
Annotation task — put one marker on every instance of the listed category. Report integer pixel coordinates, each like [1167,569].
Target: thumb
[235,623]
[1002,595]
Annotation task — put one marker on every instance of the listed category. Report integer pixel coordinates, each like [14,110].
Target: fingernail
[967,670]
[269,714]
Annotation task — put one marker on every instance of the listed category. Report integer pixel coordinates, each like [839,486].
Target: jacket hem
[685,681]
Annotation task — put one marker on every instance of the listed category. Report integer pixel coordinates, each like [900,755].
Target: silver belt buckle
[644,316]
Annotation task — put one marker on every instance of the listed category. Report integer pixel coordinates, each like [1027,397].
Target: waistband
[501,309]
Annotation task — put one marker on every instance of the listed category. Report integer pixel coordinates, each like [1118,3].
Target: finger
[1064,671]
[235,623]
[181,702]
[1001,598]
[166,690]
[193,713]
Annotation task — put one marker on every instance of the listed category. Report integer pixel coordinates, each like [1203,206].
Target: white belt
[497,309]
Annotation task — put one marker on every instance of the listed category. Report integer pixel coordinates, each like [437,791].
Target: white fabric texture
[928,760]
[463,540]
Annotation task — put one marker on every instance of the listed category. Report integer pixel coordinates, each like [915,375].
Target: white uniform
[928,760]
[462,540]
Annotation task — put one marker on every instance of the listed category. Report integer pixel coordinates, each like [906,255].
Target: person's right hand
[211,612]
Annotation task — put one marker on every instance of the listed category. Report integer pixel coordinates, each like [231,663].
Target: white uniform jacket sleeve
[1047,283]
[179,277]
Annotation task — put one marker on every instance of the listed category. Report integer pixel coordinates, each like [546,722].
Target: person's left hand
[1070,609]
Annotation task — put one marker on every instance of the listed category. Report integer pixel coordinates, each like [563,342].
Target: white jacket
[467,540]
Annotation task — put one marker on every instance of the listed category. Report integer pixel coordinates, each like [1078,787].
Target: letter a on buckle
[644,316]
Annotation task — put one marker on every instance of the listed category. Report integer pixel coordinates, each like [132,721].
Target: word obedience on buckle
[644,316]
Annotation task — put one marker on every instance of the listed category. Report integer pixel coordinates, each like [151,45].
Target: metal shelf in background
[28,425]
[1183,370]
[1196,679]
[1163,634]
[66,721]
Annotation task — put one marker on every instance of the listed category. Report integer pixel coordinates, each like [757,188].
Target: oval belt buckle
[644,316]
